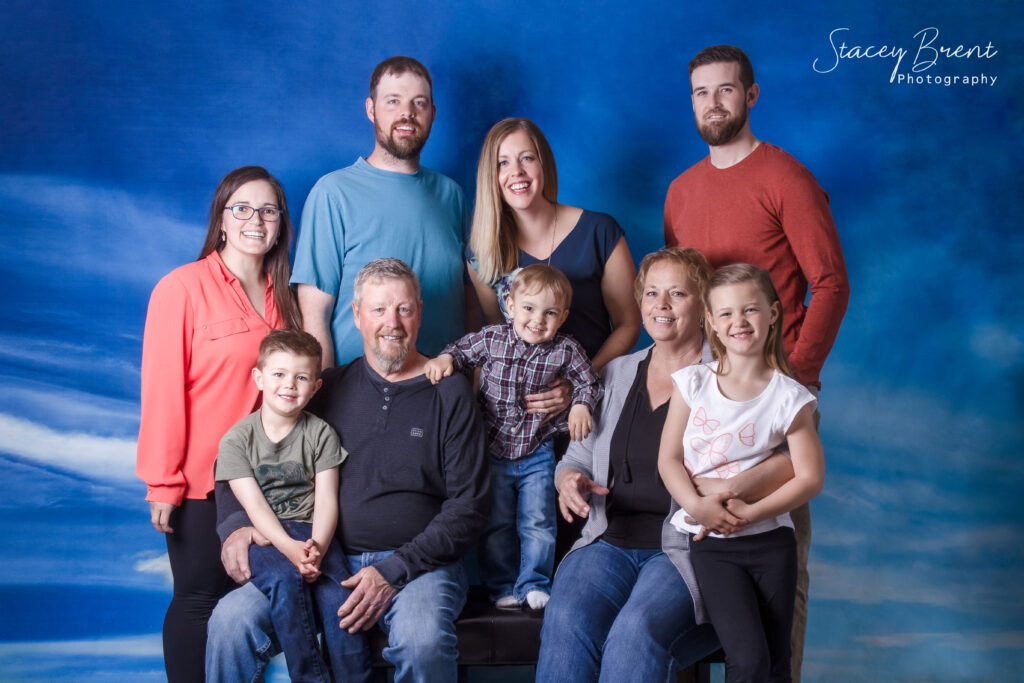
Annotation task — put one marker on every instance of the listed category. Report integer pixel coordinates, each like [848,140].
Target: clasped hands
[718,510]
[371,593]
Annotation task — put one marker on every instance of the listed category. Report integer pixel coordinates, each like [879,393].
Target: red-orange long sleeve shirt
[768,210]
[200,345]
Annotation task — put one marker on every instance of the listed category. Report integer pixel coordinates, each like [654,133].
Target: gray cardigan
[591,457]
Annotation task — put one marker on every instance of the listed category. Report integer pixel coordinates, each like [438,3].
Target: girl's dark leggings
[748,584]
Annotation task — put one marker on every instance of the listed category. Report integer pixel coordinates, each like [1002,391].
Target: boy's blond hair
[542,276]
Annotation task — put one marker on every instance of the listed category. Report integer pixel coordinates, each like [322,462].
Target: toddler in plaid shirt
[518,358]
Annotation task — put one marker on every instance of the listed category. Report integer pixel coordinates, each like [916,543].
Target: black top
[416,480]
[639,501]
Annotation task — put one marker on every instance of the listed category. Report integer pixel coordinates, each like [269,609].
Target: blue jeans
[619,615]
[517,549]
[420,625]
[296,606]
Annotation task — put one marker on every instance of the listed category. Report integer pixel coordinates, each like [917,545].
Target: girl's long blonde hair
[494,237]
[774,354]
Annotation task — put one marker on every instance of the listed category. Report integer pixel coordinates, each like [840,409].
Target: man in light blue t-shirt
[386,205]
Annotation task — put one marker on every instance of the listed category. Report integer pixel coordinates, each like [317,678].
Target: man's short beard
[390,365]
[409,151]
[720,134]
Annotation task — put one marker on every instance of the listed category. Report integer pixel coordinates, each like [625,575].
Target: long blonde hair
[774,354]
[494,237]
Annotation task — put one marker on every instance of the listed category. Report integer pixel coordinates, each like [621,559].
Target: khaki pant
[802,529]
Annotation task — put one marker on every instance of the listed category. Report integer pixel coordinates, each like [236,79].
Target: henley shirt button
[383,407]
[387,398]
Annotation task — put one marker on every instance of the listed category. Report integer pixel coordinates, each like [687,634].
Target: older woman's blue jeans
[619,615]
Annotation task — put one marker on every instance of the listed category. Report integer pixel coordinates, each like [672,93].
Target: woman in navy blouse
[518,221]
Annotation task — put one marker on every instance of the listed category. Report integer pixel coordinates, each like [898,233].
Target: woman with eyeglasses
[203,330]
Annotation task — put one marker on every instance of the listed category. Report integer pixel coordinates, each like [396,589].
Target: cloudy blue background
[117,120]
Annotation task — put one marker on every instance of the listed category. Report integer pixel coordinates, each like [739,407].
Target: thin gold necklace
[554,231]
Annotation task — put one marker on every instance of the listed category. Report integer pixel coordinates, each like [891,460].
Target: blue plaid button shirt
[512,369]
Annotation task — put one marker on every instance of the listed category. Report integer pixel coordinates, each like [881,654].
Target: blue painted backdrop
[118,119]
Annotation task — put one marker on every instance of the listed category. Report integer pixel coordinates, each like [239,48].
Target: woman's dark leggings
[748,584]
[199,582]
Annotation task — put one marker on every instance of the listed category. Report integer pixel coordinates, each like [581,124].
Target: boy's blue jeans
[420,624]
[517,550]
[298,609]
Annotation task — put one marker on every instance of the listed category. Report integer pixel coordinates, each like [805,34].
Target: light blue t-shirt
[361,213]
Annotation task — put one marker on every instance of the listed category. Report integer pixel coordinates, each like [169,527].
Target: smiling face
[252,237]
[287,381]
[670,305]
[520,173]
[741,315]
[402,113]
[720,102]
[536,316]
[388,316]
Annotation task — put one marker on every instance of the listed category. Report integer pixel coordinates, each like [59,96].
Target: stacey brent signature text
[926,52]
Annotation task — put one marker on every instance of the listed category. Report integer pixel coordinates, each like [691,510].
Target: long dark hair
[275,261]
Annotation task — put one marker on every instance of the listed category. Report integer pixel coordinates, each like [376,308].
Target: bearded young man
[384,205]
[750,202]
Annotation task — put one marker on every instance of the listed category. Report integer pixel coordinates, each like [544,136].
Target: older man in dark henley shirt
[413,497]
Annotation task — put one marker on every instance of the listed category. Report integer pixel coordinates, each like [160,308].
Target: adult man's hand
[234,553]
[371,596]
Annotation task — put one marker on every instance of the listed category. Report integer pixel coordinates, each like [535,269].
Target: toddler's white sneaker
[537,599]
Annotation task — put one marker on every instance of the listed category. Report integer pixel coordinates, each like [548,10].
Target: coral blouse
[200,345]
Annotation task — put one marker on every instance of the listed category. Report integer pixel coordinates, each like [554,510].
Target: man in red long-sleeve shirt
[750,202]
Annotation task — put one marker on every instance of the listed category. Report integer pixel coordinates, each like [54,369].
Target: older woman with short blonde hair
[625,605]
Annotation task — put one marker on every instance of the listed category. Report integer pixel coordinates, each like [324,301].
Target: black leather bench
[489,636]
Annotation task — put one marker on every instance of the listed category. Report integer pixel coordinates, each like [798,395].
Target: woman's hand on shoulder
[574,488]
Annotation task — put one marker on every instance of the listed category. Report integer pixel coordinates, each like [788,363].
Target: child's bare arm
[266,522]
[325,508]
[438,368]
[754,484]
[808,473]
[580,422]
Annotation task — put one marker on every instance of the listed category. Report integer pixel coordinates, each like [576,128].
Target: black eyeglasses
[269,214]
